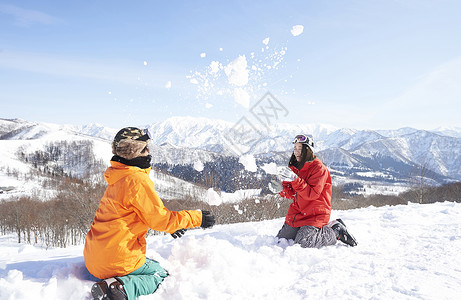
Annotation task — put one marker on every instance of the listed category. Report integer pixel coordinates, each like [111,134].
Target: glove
[287,191]
[287,174]
[178,233]
[275,186]
[207,219]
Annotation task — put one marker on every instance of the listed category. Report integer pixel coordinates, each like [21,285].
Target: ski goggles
[303,139]
[145,135]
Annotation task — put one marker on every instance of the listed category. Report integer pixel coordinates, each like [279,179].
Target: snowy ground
[404,252]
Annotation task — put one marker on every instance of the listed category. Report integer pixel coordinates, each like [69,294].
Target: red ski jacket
[311,195]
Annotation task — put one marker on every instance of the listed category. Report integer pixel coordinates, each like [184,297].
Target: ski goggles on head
[303,139]
[300,138]
[145,135]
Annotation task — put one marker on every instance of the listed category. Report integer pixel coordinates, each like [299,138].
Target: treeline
[65,219]
[423,195]
[61,221]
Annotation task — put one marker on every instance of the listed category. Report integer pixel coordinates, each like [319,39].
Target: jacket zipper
[294,218]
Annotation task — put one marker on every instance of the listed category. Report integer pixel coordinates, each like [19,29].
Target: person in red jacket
[115,245]
[307,182]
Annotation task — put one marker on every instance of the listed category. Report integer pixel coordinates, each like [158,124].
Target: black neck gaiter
[142,162]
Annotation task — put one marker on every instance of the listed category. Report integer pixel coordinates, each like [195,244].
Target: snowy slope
[404,252]
[27,137]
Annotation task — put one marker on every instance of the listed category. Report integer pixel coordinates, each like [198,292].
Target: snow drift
[405,251]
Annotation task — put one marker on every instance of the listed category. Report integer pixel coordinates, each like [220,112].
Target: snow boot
[100,291]
[117,291]
[343,235]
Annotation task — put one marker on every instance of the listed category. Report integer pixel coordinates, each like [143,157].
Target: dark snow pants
[309,236]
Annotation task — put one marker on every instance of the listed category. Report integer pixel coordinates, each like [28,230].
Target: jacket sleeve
[154,214]
[287,191]
[311,187]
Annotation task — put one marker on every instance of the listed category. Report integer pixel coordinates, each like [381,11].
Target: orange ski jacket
[116,244]
[311,195]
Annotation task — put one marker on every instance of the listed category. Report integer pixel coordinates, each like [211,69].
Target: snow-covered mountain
[82,150]
[218,135]
[404,151]
[449,131]
[441,154]
[393,155]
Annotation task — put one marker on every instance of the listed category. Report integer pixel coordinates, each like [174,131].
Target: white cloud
[26,17]
[126,72]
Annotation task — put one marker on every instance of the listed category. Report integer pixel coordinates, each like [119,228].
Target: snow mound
[404,252]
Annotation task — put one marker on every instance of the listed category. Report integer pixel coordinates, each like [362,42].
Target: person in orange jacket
[307,182]
[115,245]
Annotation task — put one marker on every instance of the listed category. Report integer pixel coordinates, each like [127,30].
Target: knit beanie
[131,142]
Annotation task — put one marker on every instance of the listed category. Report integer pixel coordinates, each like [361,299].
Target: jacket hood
[119,171]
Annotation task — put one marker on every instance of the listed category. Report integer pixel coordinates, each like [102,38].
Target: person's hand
[207,219]
[178,233]
[286,174]
[287,191]
[275,186]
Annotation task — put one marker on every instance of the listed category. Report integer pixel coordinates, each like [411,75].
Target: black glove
[207,219]
[178,233]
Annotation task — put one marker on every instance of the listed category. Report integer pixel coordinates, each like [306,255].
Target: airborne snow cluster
[243,77]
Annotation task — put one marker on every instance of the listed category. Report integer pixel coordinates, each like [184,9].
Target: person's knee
[287,232]
[306,236]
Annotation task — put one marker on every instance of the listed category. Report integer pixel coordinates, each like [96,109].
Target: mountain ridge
[396,154]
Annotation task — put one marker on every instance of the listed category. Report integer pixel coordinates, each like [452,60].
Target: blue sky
[376,64]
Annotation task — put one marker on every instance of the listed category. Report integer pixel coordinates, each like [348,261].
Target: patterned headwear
[131,142]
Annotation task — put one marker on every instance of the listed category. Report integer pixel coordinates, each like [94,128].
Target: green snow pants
[143,281]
